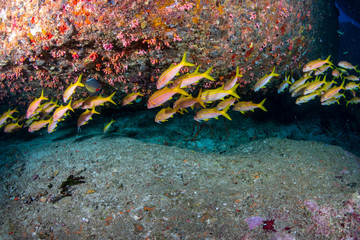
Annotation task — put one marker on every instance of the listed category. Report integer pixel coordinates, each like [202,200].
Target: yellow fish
[331,101]
[227,102]
[71,89]
[107,127]
[51,126]
[307,98]
[170,73]
[85,117]
[300,90]
[332,92]
[231,83]
[130,98]
[208,113]
[313,86]
[347,65]
[321,69]
[218,93]
[46,111]
[34,105]
[354,100]
[352,78]
[264,80]
[77,103]
[91,102]
[36,126]
[316,64]
[352,86]
[194,77]
[163,95]
[61,111]
[4,117]
[300,82]
[164,114]
[12,127]
[336,73]
[284,84]
[249,106]
[185,102]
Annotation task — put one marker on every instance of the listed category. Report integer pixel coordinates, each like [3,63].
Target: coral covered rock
[127,44]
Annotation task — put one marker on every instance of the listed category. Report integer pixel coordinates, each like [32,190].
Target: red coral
[93,56]
[268,225]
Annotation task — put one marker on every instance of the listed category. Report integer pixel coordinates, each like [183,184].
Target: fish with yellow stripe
[35,104]
[332,92]
[249,106]
[231,83]
[164,114]
[11,127]
[194,77]
[185,102]
[107,126]
[6,115]
[85,117]
[61,111]
[209,113]
[161,96]
[37,125]
[170,73]
[212,95]
[307,98]
[315,64]
[130,98]
[71,89]
[95,101]
[264,80]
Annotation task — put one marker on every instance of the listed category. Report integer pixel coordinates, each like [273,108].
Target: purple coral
[254,222]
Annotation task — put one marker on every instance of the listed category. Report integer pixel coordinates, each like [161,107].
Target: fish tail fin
[347,102]
[185,63]
[78,82]
[69,106]
[198,98]
[94,111]
[42,95]
[287,80]
[140,94]
[238,74]
[273,73]
[261,105]
[232,91]
[206,74]
[177,89]
[342,84]
[328,60]
[356,69]
[109,98]
[223,112]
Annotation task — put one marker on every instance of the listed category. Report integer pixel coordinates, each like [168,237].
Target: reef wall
[127,44]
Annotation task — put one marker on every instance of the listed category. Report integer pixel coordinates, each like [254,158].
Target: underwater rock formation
[350,8]
[127,44]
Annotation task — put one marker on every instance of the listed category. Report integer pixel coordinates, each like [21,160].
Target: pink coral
[254,222]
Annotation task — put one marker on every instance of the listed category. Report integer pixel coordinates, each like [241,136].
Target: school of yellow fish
[49,113]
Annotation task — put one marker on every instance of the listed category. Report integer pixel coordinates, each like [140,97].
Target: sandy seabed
[121,188]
